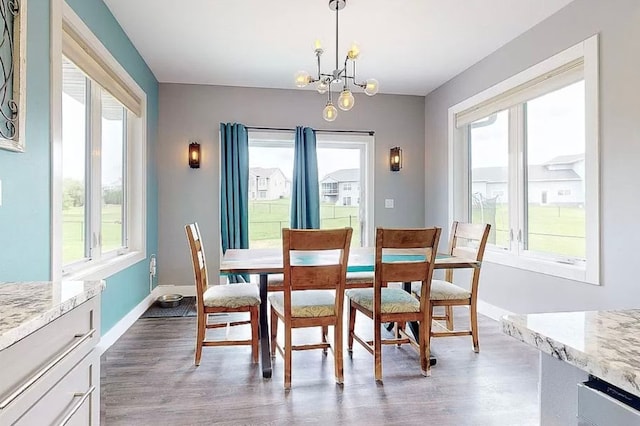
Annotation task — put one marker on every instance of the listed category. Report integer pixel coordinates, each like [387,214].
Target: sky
[73,141]
[329,159]
[555,126]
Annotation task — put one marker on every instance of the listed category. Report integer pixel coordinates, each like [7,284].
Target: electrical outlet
[152,266]
[388,203]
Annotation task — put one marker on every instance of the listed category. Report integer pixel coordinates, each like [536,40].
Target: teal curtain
[305,192]
[234,182]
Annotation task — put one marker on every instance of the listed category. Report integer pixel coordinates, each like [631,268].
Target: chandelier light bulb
[371,87]
[330,112]
[354,51]
[322,87]
[302,78]
[346,100]
[340,76]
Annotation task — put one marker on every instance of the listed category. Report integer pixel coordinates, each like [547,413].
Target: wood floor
[148,378]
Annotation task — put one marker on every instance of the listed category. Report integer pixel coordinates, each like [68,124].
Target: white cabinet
[52,376]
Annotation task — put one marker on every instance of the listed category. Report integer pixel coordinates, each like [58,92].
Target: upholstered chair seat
[306,303]
[231,296]
[392,300]
[443,290]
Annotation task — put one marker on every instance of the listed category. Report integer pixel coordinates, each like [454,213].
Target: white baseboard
[492,311]
[111,336]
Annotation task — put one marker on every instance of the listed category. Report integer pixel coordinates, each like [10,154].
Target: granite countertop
[603,343]
[27,306]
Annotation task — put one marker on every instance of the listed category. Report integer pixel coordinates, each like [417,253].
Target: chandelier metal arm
[338,75]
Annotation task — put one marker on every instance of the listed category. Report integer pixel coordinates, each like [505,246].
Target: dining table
[265,261]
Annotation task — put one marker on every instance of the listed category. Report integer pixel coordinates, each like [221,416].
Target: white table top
[361,259]
[603,343]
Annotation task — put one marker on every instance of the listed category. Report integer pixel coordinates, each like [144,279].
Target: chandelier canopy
[338,76]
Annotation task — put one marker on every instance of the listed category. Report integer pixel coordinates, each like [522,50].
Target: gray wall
[194,112]
[618,23]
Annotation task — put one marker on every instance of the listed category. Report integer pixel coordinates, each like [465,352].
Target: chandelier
[338,76]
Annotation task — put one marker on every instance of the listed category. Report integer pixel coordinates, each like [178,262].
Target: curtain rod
[286,129]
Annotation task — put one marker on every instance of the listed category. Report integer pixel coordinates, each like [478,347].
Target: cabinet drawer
[599,409]
[34,364]
[74,400]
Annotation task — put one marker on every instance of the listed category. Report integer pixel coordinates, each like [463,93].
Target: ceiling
[410,46]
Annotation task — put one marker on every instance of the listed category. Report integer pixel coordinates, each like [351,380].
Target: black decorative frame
[12,74]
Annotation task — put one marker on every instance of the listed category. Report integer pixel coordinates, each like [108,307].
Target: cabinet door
[74,400]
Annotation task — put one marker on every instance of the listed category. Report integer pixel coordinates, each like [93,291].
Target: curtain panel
[305,191]
[234,192]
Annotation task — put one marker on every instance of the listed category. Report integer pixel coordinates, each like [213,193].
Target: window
[347,187]
[98,158]
[524,158]
[341,158]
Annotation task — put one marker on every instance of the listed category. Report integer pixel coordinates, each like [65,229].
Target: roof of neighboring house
[264,172]
[565,159]
[536,172]
[343,175]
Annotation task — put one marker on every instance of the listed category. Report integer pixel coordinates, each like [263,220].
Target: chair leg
[474,327]
[274,332]
[200,333]
[449,316]
[254,333]
[377,347]
[325,333]
[287,357]
[337,351]
[399,326]
[352,326]
[425,342]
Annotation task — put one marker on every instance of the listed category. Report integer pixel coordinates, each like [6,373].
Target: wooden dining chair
[315,266]
[214,299]
[467,240]
[385,304]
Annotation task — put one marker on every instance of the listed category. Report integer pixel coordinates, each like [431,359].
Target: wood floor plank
[148,378]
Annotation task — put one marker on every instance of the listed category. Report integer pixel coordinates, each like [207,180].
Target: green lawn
[552,229]
[267,218]
[73,231]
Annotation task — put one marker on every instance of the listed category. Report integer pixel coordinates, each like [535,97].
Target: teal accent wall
[25,217]
[127,288]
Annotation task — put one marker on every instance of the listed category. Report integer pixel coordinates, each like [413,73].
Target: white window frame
[136,163]
[587,271]
[366,145]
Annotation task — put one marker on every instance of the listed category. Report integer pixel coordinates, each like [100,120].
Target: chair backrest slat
[198,259]
[469,239]
[406,238]
[422,242]
[330,247]
[311,239]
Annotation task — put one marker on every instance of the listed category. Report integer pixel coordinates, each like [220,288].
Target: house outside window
[271,159]
[525,159]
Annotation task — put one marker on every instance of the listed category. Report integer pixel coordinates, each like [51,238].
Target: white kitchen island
[575,345]
[49,368]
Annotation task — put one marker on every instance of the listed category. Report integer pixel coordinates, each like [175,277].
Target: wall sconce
[395,159]
[194,155]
